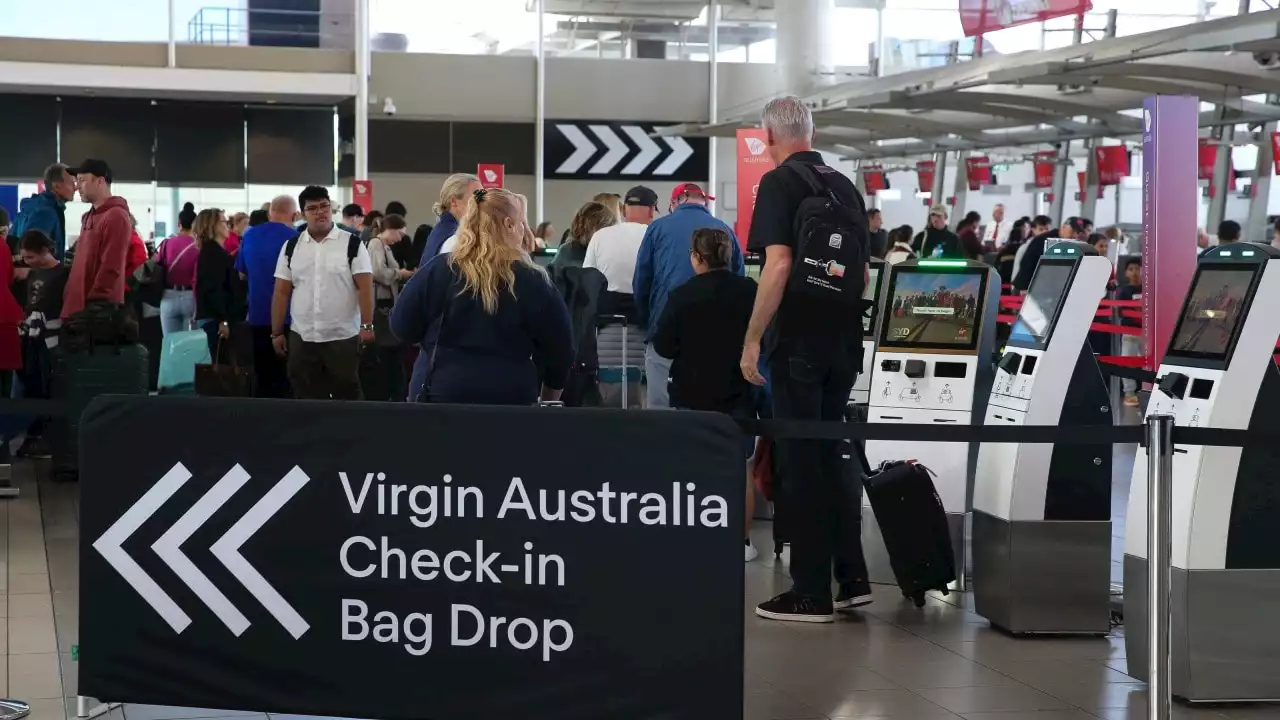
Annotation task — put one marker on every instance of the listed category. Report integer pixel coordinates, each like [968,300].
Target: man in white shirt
[998,231]
[325,281]
[613,250]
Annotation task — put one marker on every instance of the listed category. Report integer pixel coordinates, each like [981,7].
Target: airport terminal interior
[1139,138]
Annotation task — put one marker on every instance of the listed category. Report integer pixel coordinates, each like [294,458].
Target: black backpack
[353,248]
[832,241]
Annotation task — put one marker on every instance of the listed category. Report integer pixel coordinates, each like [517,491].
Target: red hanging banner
[1113,163]
[978,170]
[492,175]
[753,163]
[362,194]
[984,16]
[1083,180]
[1275,150]
[874,179]
[1045,163]
[924,173]
[1208,157]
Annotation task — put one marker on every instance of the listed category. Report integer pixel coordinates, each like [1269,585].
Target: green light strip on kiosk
[943,263]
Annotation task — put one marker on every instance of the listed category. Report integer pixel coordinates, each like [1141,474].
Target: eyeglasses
[318,209]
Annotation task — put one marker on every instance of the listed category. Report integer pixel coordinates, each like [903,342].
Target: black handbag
[218,380]
[382,335]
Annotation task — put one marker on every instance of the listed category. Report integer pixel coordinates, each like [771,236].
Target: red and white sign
[984,16]
[924,172]
[1208,158]
[874,179]
[978,170]
[362,195]
[492,175]
[753,163]
[1083,180]
[1046,162]
[1113,163]
[1275,150]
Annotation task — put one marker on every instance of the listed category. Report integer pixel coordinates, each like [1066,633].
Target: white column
[361,169]
[173,37]
[1255,227]
[540,112]
[805,57]
[713,86]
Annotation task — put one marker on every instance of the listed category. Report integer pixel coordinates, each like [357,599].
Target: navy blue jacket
[663,264]
[445,229]
[481,358]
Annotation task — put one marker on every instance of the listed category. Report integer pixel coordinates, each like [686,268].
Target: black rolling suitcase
[914,526]
[79,377]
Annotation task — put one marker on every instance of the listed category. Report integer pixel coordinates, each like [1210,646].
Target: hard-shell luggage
[620,354]
[81,376]
[180,352]
[914,526]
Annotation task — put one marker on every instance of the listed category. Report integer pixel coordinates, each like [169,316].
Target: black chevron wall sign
[590,150]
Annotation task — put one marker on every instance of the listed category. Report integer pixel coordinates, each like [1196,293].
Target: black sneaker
[853,595]
[790,607]
[35,448]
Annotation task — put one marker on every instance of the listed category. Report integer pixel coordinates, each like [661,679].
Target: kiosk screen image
[1040,307]
[870,293]
[933,309]
[1214,308]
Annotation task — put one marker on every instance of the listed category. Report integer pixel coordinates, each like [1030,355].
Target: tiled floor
[892,661]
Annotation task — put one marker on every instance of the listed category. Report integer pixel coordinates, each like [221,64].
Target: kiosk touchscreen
[1042,513]
[1217,372]
[861,392]
[932,366]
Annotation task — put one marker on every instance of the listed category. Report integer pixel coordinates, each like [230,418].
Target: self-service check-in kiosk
[1042,513]
[932,366]
[1217,372]
[861,392]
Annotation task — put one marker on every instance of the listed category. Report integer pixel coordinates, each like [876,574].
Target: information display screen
[871,293]
[1213,313]
[1042,304]
[927,309]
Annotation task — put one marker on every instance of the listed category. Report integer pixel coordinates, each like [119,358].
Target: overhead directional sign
[373,560]
[583,150]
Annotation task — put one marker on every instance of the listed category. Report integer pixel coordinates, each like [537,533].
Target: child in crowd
[1131,289]
[45,278]
[701,331]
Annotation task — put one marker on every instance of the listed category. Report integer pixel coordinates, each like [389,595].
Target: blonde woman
[454,196]
[590,218]
[493,329]
[219,299]
[613,201]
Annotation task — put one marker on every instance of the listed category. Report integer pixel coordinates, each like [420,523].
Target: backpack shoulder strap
[289,247]
[353,247]
[811,178]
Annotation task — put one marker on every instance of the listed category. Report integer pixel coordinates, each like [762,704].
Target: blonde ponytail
[483,257]
[455,187]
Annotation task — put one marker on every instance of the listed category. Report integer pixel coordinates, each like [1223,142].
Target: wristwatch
[366,326]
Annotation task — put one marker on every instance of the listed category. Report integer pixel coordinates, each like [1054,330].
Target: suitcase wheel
[918,599]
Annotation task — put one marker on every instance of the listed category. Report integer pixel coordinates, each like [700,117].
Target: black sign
[412,562]
[588,150]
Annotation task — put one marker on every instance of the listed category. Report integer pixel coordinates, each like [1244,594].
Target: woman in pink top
[178,256]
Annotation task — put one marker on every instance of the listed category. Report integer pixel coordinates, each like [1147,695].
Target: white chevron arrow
[617,149]
[583,151]
[680,151]
[227,550]
[649,150]
[169,548]
[109,546]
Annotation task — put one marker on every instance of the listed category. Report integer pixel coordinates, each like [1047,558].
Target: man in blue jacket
[47,210]
[663,265]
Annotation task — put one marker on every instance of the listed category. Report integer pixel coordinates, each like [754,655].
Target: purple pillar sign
[1170,197]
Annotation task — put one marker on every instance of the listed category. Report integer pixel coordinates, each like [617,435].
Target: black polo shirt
[773,223]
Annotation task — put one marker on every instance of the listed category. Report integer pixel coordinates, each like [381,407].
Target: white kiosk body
[933,365]
[1042,513]
[872,293]
[1218,372]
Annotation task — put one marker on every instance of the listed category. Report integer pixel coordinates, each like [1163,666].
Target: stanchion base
[13,709]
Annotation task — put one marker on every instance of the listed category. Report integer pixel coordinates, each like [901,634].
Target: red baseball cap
[689,189]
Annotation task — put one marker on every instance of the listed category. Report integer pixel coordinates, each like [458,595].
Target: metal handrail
[215,25]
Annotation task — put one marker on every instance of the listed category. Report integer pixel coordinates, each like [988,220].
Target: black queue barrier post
[1159,543]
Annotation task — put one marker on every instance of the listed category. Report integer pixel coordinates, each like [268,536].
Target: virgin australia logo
[756,146]
[1146,119]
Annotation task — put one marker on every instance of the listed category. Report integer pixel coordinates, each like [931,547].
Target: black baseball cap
[641,196]
[99,168]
